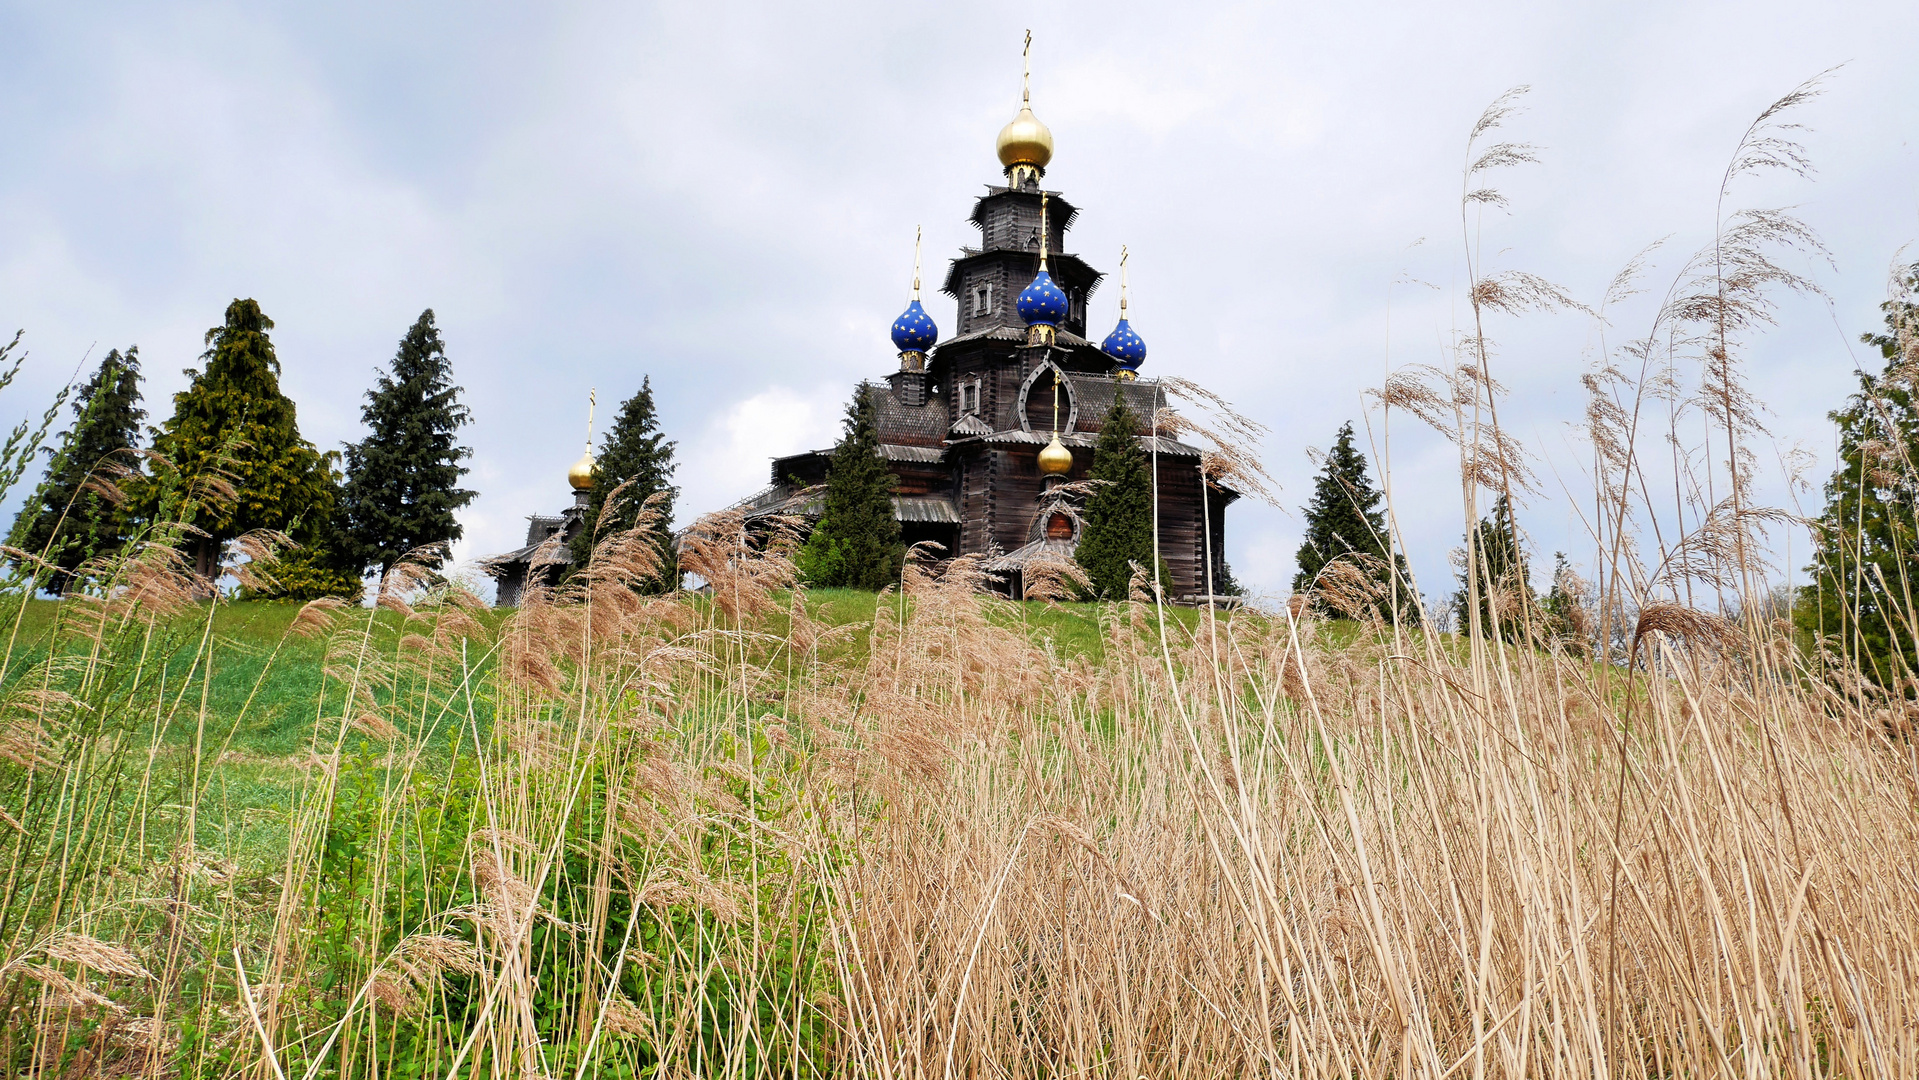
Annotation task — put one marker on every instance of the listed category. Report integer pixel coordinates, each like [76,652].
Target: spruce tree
[635,453]
[1500,564]
[402,480]
[1344,521]
[1564,608]
[1117,527]
[1866,550]
[232,418]
[70,517]
[856,543]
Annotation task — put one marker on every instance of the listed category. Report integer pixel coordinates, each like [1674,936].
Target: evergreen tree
[1117,530]
[1500,564]
[857,541]
[1866,554]
[1564,608]
[232,418]
[402,480]
[69,520]
[1224,583]
[635,451]
[1344,521]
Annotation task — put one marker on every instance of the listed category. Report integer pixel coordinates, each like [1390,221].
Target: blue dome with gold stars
[914,331]
[1042,303]
[1125,346]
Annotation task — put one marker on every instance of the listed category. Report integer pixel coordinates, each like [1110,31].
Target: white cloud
[731,457]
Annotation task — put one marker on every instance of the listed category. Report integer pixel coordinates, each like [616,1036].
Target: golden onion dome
[1055,460]
[581,474]
[1025,141]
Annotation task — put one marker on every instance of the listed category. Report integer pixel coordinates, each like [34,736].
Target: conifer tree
[1564,607]
[1344,521]
[638,454]
[402,480]
[233,417]
[1505,581]
[1117,527]
[857,541]
[1866,552]
[71,517]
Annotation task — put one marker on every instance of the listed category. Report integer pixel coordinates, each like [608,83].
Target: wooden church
[982,427]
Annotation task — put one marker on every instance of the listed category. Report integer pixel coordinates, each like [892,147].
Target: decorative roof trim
[1059,376]
[969,424]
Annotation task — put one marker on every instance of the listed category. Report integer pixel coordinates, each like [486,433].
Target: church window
[982,299]
[1059,527]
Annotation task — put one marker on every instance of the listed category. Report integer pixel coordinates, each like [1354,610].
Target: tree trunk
[206,564]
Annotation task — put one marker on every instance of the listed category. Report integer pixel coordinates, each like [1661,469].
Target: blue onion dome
[1125,346]
[1042,303]
[914,331]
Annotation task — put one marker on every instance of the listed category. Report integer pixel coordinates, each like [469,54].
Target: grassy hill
[721,836]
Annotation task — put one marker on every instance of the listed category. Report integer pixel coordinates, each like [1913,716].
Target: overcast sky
[723,197]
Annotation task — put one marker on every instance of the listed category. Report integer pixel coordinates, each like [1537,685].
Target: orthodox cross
[1026,74]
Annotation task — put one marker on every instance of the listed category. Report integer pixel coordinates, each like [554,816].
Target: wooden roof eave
[1068,268]
[1054,199]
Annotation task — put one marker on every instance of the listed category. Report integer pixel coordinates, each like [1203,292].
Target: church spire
[1045,233]
[580,476]
[1043,303]
[1124,344]
[913,331]
[1025,145]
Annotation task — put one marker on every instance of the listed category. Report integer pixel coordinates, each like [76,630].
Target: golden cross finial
[592,399]
[918,232]
[1026,74]
[1056,403]
[1122,281]
[1043,232]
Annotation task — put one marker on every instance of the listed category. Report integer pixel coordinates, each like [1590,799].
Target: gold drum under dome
[1055,460]
[1025,141]
[581,474]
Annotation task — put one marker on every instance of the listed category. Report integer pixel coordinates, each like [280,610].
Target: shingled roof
[1095,395]
[1038,551]
[907,509]
[904,425]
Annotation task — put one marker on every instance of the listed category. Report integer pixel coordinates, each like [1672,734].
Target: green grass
[272,696]
[266,682]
